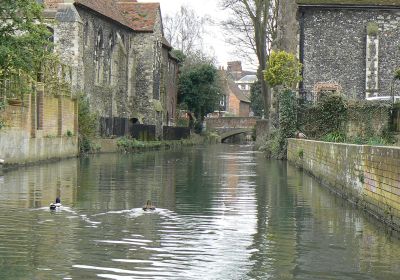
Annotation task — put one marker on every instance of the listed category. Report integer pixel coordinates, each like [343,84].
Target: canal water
[223,212]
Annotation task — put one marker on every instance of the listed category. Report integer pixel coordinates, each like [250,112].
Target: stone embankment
[369,176]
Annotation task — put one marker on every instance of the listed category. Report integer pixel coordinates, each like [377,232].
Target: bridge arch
[233,132]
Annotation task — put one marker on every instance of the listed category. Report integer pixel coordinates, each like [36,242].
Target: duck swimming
[56,205]
[148,206]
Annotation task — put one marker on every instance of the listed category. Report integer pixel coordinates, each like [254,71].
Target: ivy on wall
[336,119]
[276,146]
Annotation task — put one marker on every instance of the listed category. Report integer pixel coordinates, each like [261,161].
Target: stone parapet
[369,176]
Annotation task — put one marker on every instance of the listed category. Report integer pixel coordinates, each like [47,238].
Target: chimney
[235,69]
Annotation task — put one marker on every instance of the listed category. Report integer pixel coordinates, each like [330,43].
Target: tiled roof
[130,13]
[107,8]
[350,2]
[236,91]
[141,16]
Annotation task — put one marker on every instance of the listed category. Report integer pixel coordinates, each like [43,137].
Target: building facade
[119,56]
[349,46]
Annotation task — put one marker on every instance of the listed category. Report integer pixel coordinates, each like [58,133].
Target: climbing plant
[276,146]
[88,125]
[256,100]
[336,119]
[282,73]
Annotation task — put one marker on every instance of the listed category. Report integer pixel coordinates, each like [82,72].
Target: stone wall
[333,44]
[119,70]
[231,122]
[169,86]
[366,175]
[105,50]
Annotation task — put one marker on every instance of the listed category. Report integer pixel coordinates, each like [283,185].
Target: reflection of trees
[191,180]
[115,182]
[276,224]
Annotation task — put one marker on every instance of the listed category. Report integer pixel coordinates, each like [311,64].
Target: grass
[127,144]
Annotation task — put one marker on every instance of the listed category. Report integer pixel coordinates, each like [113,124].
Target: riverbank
[52,149]
[129,145]
[368,176]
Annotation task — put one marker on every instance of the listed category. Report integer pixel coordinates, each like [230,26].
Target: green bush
[337,137]
[88,125]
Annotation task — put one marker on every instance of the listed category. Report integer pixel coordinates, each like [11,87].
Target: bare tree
[185,29]
[252,28]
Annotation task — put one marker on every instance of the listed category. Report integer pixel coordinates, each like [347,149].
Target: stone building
[349,45]
[120,57]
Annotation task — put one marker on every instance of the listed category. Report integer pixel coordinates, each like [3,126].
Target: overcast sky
[214,39]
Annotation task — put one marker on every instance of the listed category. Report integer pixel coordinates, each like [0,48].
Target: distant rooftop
[236,91]
[394,3]
[248,79]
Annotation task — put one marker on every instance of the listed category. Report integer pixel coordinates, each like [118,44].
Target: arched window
[86,34]
[98,55]
[110,50]
[99,43]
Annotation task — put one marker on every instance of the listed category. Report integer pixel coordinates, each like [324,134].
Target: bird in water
[148,206]
[56,205]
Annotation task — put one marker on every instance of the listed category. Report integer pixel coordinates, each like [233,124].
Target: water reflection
[223,212]
[38,186]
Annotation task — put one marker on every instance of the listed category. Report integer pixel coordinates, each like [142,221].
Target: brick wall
[244,109]
[22,140]
[366,175]
[233,104]
[50,116]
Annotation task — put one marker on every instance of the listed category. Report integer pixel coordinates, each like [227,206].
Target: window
[86,34]
[98,55]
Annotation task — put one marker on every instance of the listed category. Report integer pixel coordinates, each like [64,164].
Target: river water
[223,212]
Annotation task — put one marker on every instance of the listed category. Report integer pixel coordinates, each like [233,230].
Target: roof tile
[141,16]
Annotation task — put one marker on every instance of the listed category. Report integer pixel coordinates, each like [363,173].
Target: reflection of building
[38,186]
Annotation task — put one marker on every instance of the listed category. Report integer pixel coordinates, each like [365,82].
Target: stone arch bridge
[229,126]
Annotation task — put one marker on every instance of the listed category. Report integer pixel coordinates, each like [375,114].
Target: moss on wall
[368,176]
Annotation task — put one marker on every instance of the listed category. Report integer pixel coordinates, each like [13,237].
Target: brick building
[119,56]
[234,102]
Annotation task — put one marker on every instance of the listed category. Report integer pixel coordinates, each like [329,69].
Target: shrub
[88,125]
